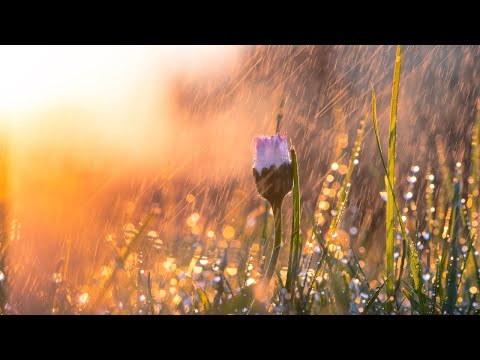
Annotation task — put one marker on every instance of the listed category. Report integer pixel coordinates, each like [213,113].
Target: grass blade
[402,265]
[340,294]
[452,268]
[438,287]
[279,279]
[341,204]
[203,297]
[436,284]
[344,190]
[120,262]
[280,113]
[151,301]
[415,306]
[470,251]
[372,300]
[296,242]
[390,213]
[413,256]
[474,172]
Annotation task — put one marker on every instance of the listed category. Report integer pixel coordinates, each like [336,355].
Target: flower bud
[272,168]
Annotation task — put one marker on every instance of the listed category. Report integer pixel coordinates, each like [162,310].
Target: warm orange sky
[39,76]
[100,100]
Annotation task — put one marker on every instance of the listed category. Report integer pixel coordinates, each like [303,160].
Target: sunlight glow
[32,76]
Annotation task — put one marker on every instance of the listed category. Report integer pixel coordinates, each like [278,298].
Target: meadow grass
[430,271]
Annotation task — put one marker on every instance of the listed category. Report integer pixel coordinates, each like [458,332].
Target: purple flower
[273,174]
[272,168]
[271,150]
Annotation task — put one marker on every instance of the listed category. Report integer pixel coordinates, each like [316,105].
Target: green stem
[277,218]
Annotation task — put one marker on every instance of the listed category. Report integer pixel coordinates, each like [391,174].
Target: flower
[270,151]
[272,168]
[273,173]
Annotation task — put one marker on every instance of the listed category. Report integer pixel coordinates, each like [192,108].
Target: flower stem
[277,218]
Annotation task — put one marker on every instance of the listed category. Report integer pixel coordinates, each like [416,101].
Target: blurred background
[95,138]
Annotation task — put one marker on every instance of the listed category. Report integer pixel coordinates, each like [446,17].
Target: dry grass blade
[203,297]
[344,191]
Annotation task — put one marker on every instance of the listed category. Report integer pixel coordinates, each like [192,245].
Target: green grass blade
[340,293]
[472,202]
[279,279]
[475,264]
[415,305]
[413,258]
[342,199]
[474,172]
[429,219]
[445,190]
[296,242]
[438,289]
[372,300]
[452,268]
[402,265]
[437,283]
[470,251]
[390,213]
[391,199]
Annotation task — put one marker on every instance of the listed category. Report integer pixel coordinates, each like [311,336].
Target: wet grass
[430,264]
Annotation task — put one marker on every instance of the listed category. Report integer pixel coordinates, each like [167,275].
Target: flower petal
[271,150]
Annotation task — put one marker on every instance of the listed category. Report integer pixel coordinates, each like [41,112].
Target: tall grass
[390,214]
[437,272]
[330,279]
